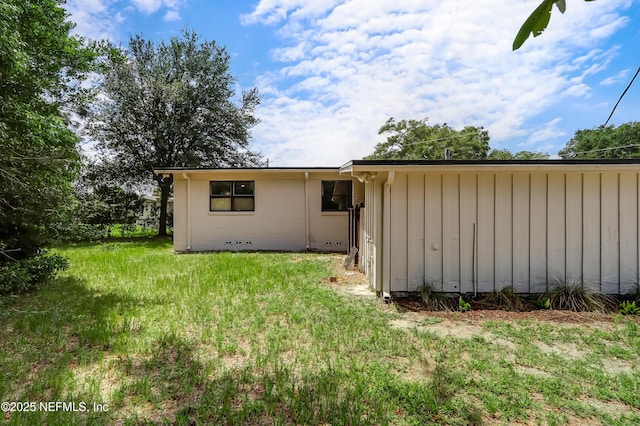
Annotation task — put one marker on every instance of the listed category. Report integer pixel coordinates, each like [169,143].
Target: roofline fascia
[356,169]
[248,170]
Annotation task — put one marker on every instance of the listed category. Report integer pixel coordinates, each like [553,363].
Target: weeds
[542,303]
[628,307]
[463,306]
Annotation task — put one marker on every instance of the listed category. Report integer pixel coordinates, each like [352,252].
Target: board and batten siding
[483,231]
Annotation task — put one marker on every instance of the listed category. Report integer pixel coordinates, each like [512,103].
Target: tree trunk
[165,189]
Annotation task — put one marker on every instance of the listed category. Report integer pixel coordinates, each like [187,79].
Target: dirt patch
[612,408]
[617,366]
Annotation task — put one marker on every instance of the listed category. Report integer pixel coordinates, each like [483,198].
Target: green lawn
[262,338]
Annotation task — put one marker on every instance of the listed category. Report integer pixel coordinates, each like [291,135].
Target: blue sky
[331,72]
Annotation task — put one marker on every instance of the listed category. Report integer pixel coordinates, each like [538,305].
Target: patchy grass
[263,338]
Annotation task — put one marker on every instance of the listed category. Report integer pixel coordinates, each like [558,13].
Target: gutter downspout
[386,236]
[306,210]
[188,178]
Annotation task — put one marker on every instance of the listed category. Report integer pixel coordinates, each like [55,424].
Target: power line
[621,96]
[439,139]
[606,149]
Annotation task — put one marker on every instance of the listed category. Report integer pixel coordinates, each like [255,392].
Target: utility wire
[606,149]
[621,96]
[459,135]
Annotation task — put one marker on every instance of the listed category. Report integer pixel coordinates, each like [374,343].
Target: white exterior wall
[482,231]
[288,213]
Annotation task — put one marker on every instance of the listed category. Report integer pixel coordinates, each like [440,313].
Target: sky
[331,72]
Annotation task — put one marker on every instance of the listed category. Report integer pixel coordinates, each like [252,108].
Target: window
[228,196]
[336,195]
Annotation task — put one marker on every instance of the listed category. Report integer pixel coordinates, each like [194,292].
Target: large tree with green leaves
[419,140]
[605,142]
[505,154]
[41,67]
[173,105]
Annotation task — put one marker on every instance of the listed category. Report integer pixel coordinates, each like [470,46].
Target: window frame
[349,196]
[233,196]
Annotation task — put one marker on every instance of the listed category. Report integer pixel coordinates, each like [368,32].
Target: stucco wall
[278,222]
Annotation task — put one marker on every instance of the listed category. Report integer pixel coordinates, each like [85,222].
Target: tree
[418,140]
[604,142]
[40,69]
[505,154]
[537,22]
[172,105]
[104,201]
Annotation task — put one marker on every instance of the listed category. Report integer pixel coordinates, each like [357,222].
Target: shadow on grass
[48,333]
[149,242]
[68,343]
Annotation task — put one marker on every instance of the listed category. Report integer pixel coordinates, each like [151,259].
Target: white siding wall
[526,229]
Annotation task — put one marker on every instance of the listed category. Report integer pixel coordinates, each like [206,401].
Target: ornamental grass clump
[578,297]
[434,300]
[505,298]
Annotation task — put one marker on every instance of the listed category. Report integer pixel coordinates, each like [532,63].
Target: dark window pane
[220,188]
[336,195]
[243,188]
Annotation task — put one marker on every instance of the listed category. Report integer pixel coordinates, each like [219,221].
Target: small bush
[434,300]
[542,303]
[574,296]
[505,298]
[463,306]
[23,275]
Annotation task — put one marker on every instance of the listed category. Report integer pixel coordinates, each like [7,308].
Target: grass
[262,338]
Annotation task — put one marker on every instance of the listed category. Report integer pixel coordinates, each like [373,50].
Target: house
[292,209]
[460,226]
[151,210]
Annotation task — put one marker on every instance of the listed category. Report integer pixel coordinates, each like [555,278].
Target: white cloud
[549,130]
[99,19]
[349,65]
[615,79]
[94,19]
[152,6]
[171,15]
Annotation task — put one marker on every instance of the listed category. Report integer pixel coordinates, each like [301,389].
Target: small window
[336,195]
[228,196]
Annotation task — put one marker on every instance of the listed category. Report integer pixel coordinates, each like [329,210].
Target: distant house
[461,226]
[151,210]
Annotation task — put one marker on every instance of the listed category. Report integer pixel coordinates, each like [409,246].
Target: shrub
[23,275]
